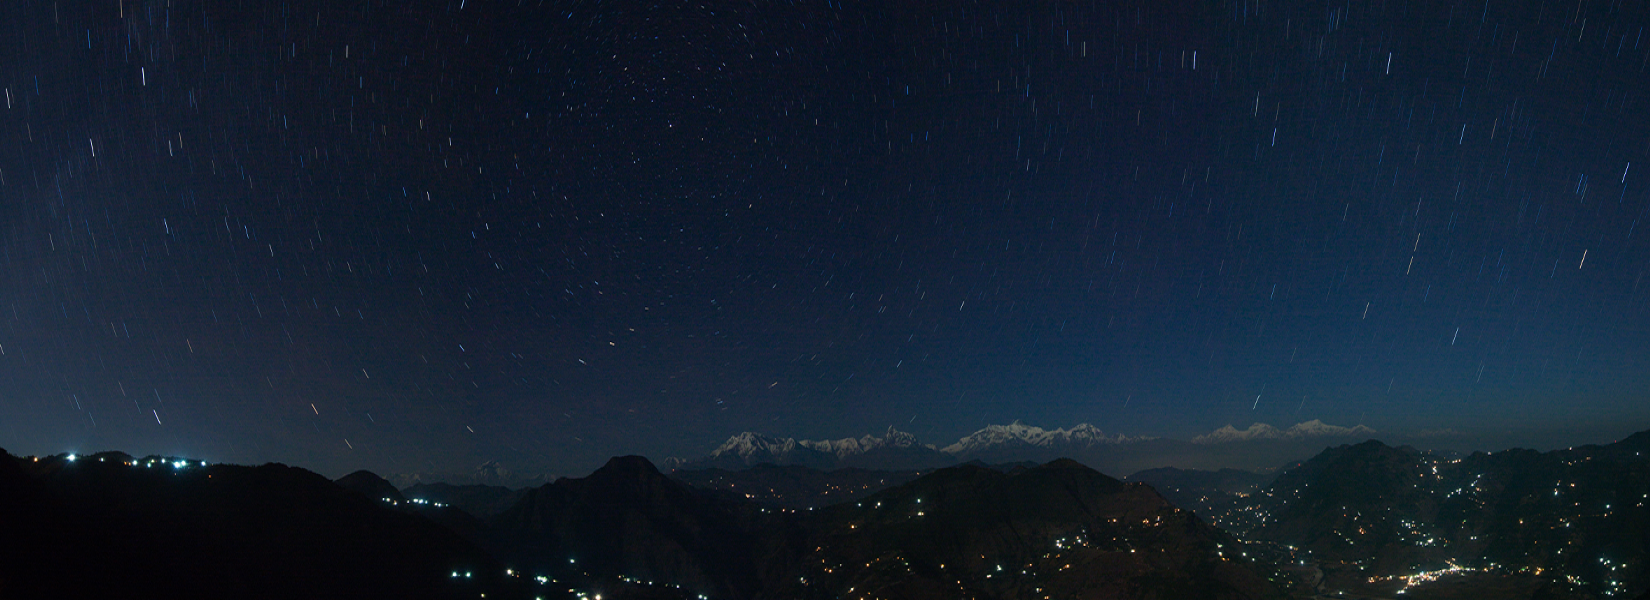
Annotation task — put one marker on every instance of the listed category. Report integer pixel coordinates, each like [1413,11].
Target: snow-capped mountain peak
[750,443]
[1019,434]
[492,470]
[846,447]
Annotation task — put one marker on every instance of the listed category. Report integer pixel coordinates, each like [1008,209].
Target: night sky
[415,236]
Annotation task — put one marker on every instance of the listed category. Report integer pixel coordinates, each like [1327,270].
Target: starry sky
[414,236]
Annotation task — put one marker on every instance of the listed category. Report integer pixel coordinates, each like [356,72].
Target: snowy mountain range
[895,449]
[1013,442]
[846,447]
[751,448]
[994,437]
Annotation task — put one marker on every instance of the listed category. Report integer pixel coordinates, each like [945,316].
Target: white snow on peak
[750,443]
[1257,431]
[1018,434]
[846,447]
[1261,431]
[492,469]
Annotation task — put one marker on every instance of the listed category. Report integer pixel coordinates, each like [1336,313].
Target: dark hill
[1355,503]
[1383,511]
[1060,530]
[1057,529]
[369,484]
[627,519]
[794,486]
[111,526]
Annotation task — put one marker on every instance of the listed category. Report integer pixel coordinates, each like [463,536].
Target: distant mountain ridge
[846,447]
[1015,434]
[1113,452]
[894,450]
[491,473]
[1262,431]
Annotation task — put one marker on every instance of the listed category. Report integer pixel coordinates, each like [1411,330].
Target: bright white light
[72,457]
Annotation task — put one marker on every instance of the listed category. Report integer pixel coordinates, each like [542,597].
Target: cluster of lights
[1612,587]
[542,580]
[1425,577]
[1073,542]
[174,463]
[421,501]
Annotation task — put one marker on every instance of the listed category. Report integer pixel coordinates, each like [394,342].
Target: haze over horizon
[415,237]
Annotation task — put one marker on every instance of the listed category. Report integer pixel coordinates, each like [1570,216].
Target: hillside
[110,525]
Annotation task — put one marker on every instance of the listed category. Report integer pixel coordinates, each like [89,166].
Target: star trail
[419,236]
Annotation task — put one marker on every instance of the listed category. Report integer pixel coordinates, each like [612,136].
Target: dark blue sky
[416,236]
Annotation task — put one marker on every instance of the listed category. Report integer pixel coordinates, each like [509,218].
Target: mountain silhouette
[627,519]
[369,484]
[1364,519]
[946,534]
[108,525]
[1579,512]
[1058,529]
[794,486]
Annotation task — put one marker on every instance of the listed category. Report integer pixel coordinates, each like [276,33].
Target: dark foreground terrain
[113,526]
[110,525]
[1356,521]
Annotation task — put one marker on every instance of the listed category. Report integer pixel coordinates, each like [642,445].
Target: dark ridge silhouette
[107,525]
[1579,512]
[455,519]
[919,540]
[629,519]
[1058,529]
[1562,525]
[794,486]
[369,484]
